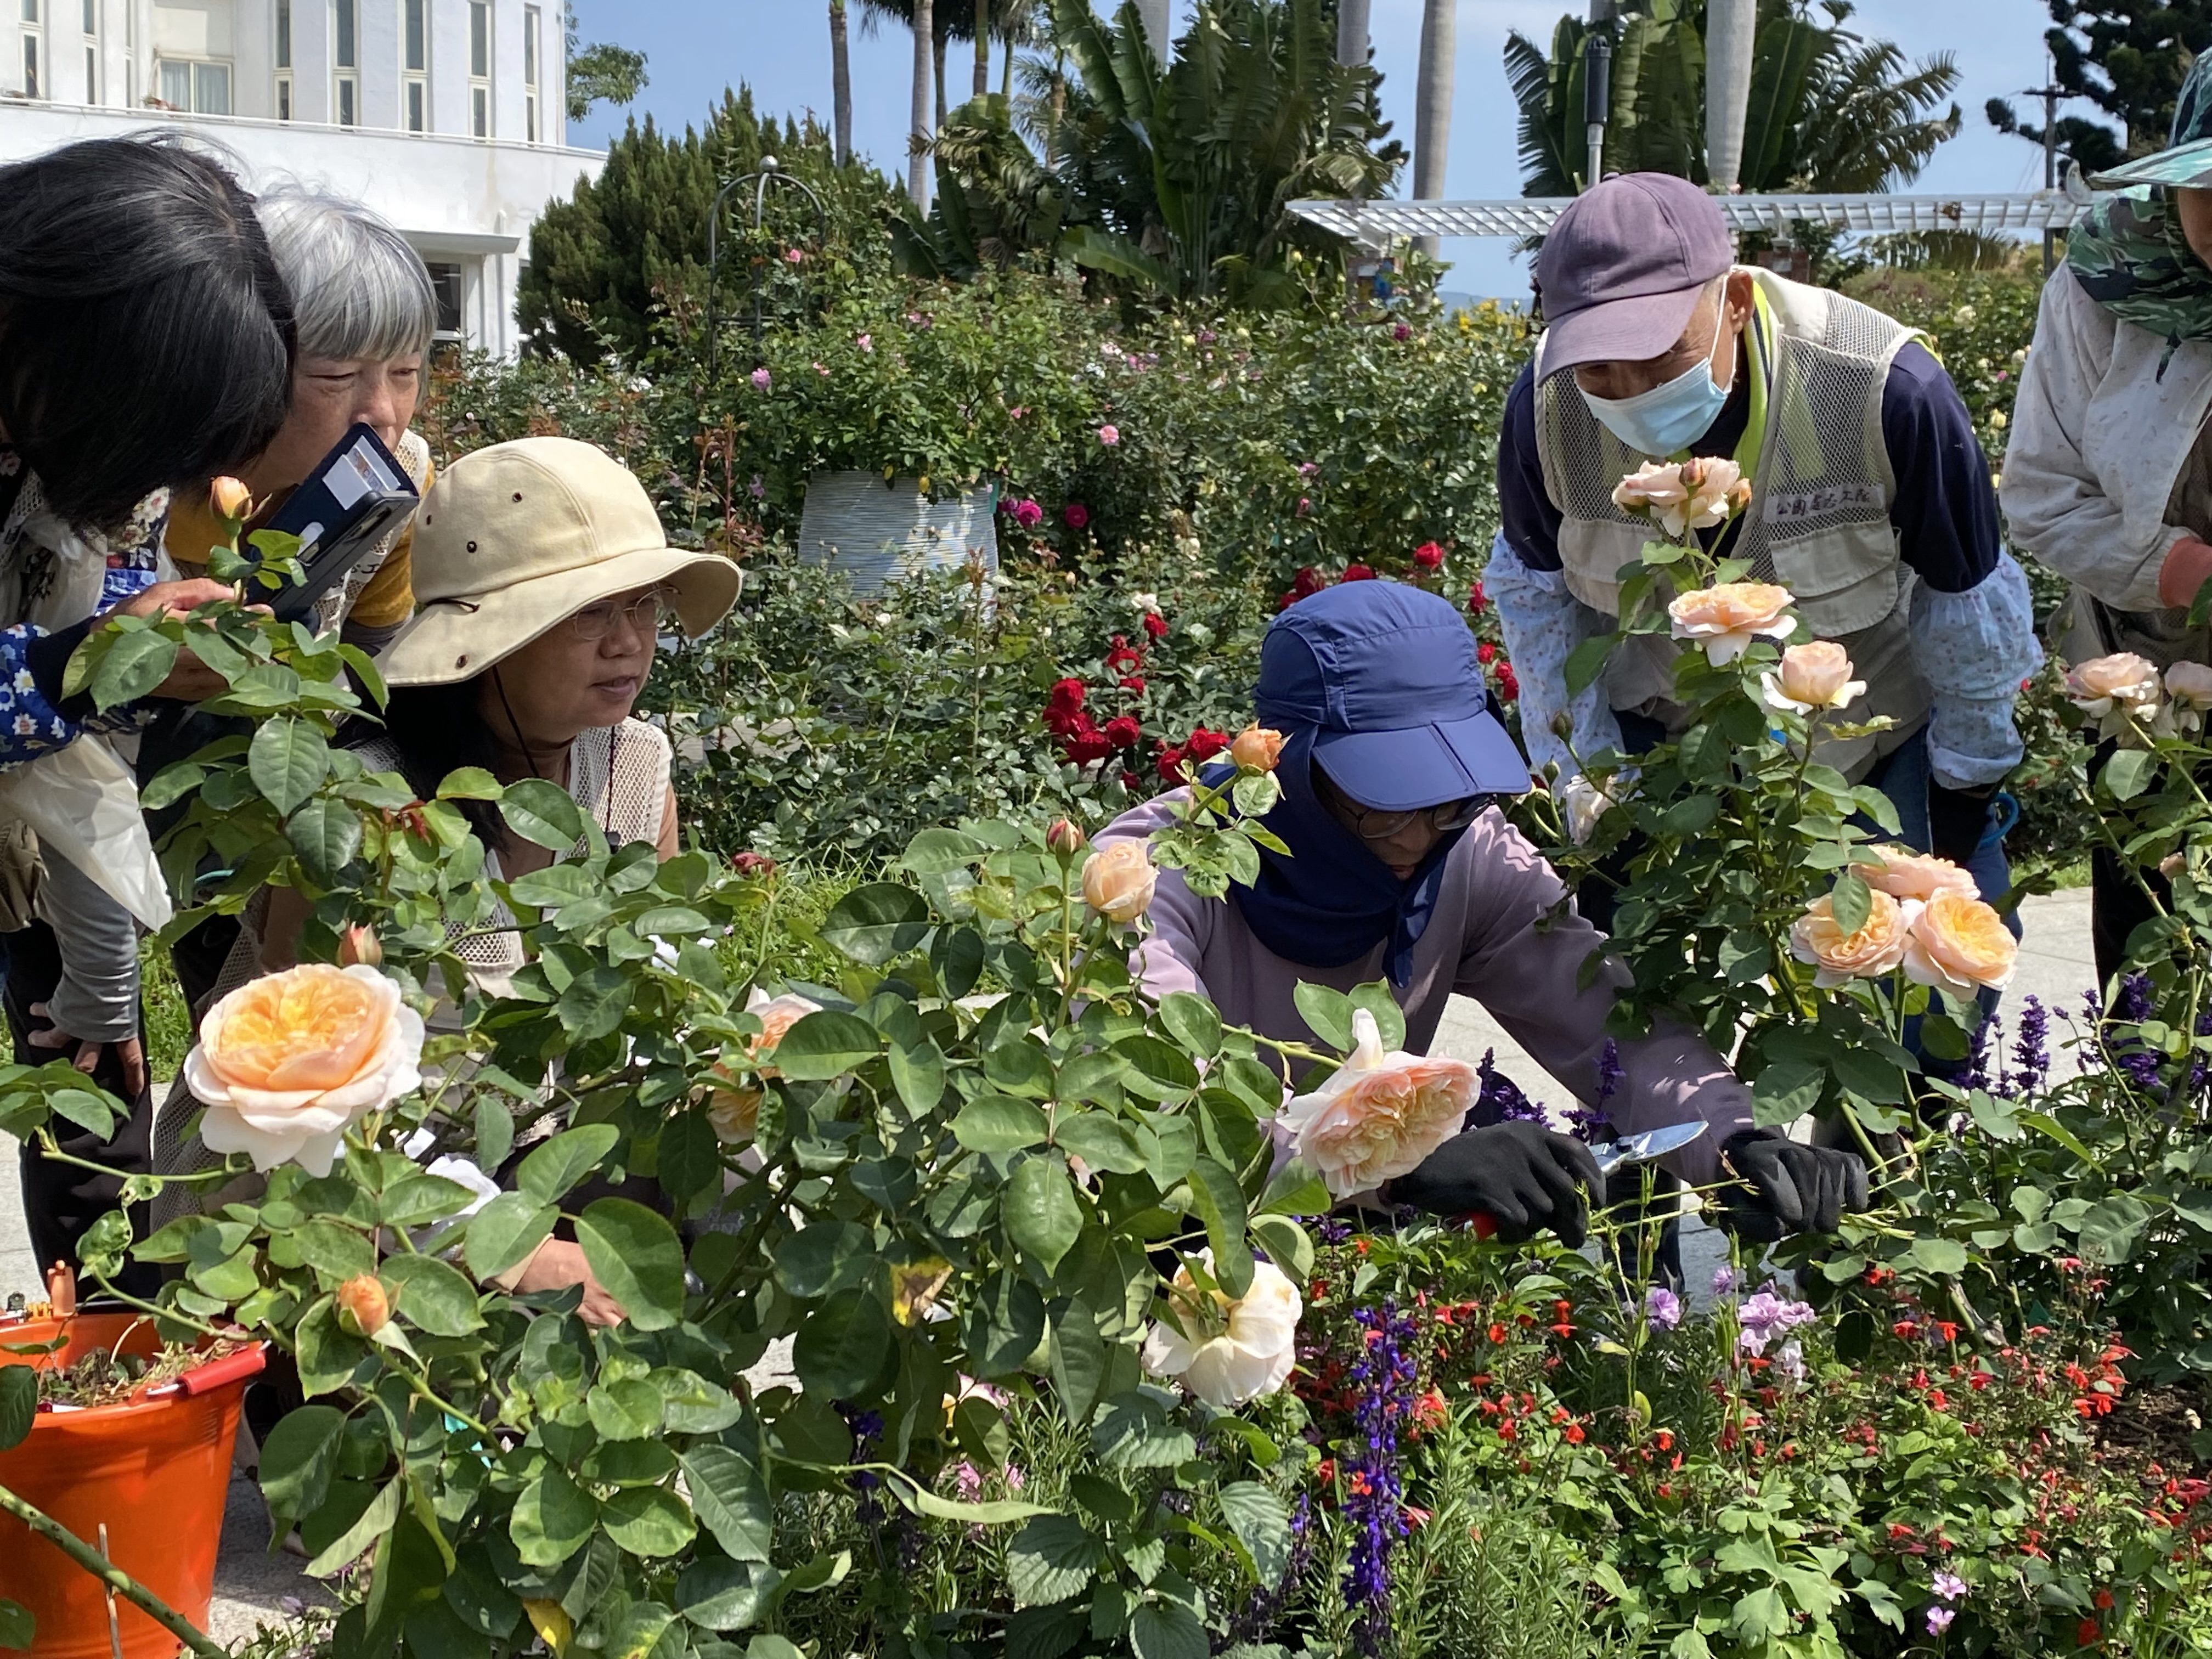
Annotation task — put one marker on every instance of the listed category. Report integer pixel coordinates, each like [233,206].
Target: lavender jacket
[1502,932]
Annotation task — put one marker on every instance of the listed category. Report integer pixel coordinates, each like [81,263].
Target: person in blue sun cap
[1403,870]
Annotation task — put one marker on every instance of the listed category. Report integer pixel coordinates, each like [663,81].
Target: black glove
[1788,1187]
[1521,1175]
[1957,819]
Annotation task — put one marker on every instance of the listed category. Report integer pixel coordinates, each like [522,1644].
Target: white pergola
[1378,224]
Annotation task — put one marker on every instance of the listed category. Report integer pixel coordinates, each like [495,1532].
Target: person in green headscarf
[2108,476]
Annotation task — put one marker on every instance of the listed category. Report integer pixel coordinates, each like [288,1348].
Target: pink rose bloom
[1075,515]
[762,380]
[866,342]
[1110,436]
[1380,1115]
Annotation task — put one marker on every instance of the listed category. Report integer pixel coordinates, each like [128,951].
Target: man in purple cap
[1401,870]
[1871,503]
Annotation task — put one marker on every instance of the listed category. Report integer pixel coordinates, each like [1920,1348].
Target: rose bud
[1258,747]
[230,499]
[358,944]
[363,1307]
[1065,838]
[753,863]
[1118,883]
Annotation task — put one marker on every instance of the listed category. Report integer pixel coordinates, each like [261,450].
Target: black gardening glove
[1520,1175]
[1957,819]
[1787,1187]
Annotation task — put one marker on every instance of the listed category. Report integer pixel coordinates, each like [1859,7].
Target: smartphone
[348,505]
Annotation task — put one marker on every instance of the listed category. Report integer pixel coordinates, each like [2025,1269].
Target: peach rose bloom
[1258,747]
[1814,675]
[2119,692]
[1379,1114]
[1877,948]
[1716,489]
[1118,883]
[363,1300]
[1908,875]
[286,1063]
[2189,685]
[734,1112]
[1654,487]
[230,499]
[1228,1351]
[1959,944]
[1727,617]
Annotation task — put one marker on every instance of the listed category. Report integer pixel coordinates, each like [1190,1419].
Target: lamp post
[2052,94]
[1597,86]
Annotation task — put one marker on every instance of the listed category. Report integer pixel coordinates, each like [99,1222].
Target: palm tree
[925,82]
[841,83]
[1829,110]
[1730,27]
[1432,106]
[1352,40]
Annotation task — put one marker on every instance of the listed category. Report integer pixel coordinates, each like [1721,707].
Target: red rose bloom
[1131,781]
[1086,744]
[1203,746]
[1063,707]
[1124,657]
[1509,682]
[1477,600]
[1171,764]
[1486,653]
[1428,555]
[1123,731]
[1357,573]
[1156,624]
[1134,684]
[1075,515]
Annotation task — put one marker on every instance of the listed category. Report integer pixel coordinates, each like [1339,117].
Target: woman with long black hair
[145,344]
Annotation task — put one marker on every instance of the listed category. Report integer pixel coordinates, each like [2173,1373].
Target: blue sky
[781,47]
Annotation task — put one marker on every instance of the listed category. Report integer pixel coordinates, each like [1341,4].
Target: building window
[91,52]
[193,84]
[445,283]
[33,86]
[529,28]
[283,97]
[416,64]
[282,58]
[480,68]
[345,54]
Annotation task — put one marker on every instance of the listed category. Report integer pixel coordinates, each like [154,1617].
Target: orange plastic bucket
[154,1468]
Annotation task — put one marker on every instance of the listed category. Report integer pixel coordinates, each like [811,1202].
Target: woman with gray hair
[365,313]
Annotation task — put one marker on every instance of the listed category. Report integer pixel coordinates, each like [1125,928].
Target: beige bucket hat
[516,538]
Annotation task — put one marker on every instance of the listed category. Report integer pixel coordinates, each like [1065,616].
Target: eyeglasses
[646,613]
[1375,823]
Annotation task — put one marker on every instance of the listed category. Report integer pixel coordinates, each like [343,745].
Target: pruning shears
[1611,1155]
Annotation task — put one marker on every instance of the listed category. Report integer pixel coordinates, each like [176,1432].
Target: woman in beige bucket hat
[545,580]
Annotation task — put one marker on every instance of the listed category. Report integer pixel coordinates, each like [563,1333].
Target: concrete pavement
[251,1584]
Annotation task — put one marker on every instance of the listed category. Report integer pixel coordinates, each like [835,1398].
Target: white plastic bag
[82,802]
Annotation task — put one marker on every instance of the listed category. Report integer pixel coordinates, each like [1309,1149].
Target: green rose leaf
[595,1002]
[287,760]
[551,1170]
[843,1344]
[646,1521]
[326,834]
[627,1408]
[130,668]
[636,1257]
[17,1626]
[1000,1123]
[825,1045]
[297,1460]
[1041,1212]
[551,1519]
[1192,1021]
[715,1594]
[434,1295]
[731,1501]
[1850,901]
[875,923]
[543,813]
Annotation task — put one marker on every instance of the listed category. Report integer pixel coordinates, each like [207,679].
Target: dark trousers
[62,1200]
[2117,906]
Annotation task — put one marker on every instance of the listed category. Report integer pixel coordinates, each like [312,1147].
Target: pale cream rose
[1258,747]
[1654,487]
[1583,803]
[2189,685]
[1228,1351]
[1957,943]
[1118,881]
[1906,874]
[1713,483]
[285,1063]
[733,1113]
[1814,675]
[1877,948]
[2120,692]
[1727,617]
[1380,1115]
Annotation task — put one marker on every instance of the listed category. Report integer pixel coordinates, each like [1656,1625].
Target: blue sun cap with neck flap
[1385,677]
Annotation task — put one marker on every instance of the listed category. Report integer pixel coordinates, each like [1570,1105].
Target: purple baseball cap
[1622,268]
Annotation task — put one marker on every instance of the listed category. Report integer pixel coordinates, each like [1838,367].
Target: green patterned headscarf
[2128,251]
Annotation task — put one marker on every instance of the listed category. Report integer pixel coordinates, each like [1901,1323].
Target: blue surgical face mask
[1670,417]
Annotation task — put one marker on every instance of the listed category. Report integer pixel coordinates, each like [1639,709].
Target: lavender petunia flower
[1765,1317]
[1949,1586]
[1662,1308]
[1723,1280]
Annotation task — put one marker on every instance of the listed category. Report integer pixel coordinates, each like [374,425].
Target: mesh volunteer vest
[1819,519]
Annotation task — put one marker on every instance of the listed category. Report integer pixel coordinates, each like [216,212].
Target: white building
[448,117]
